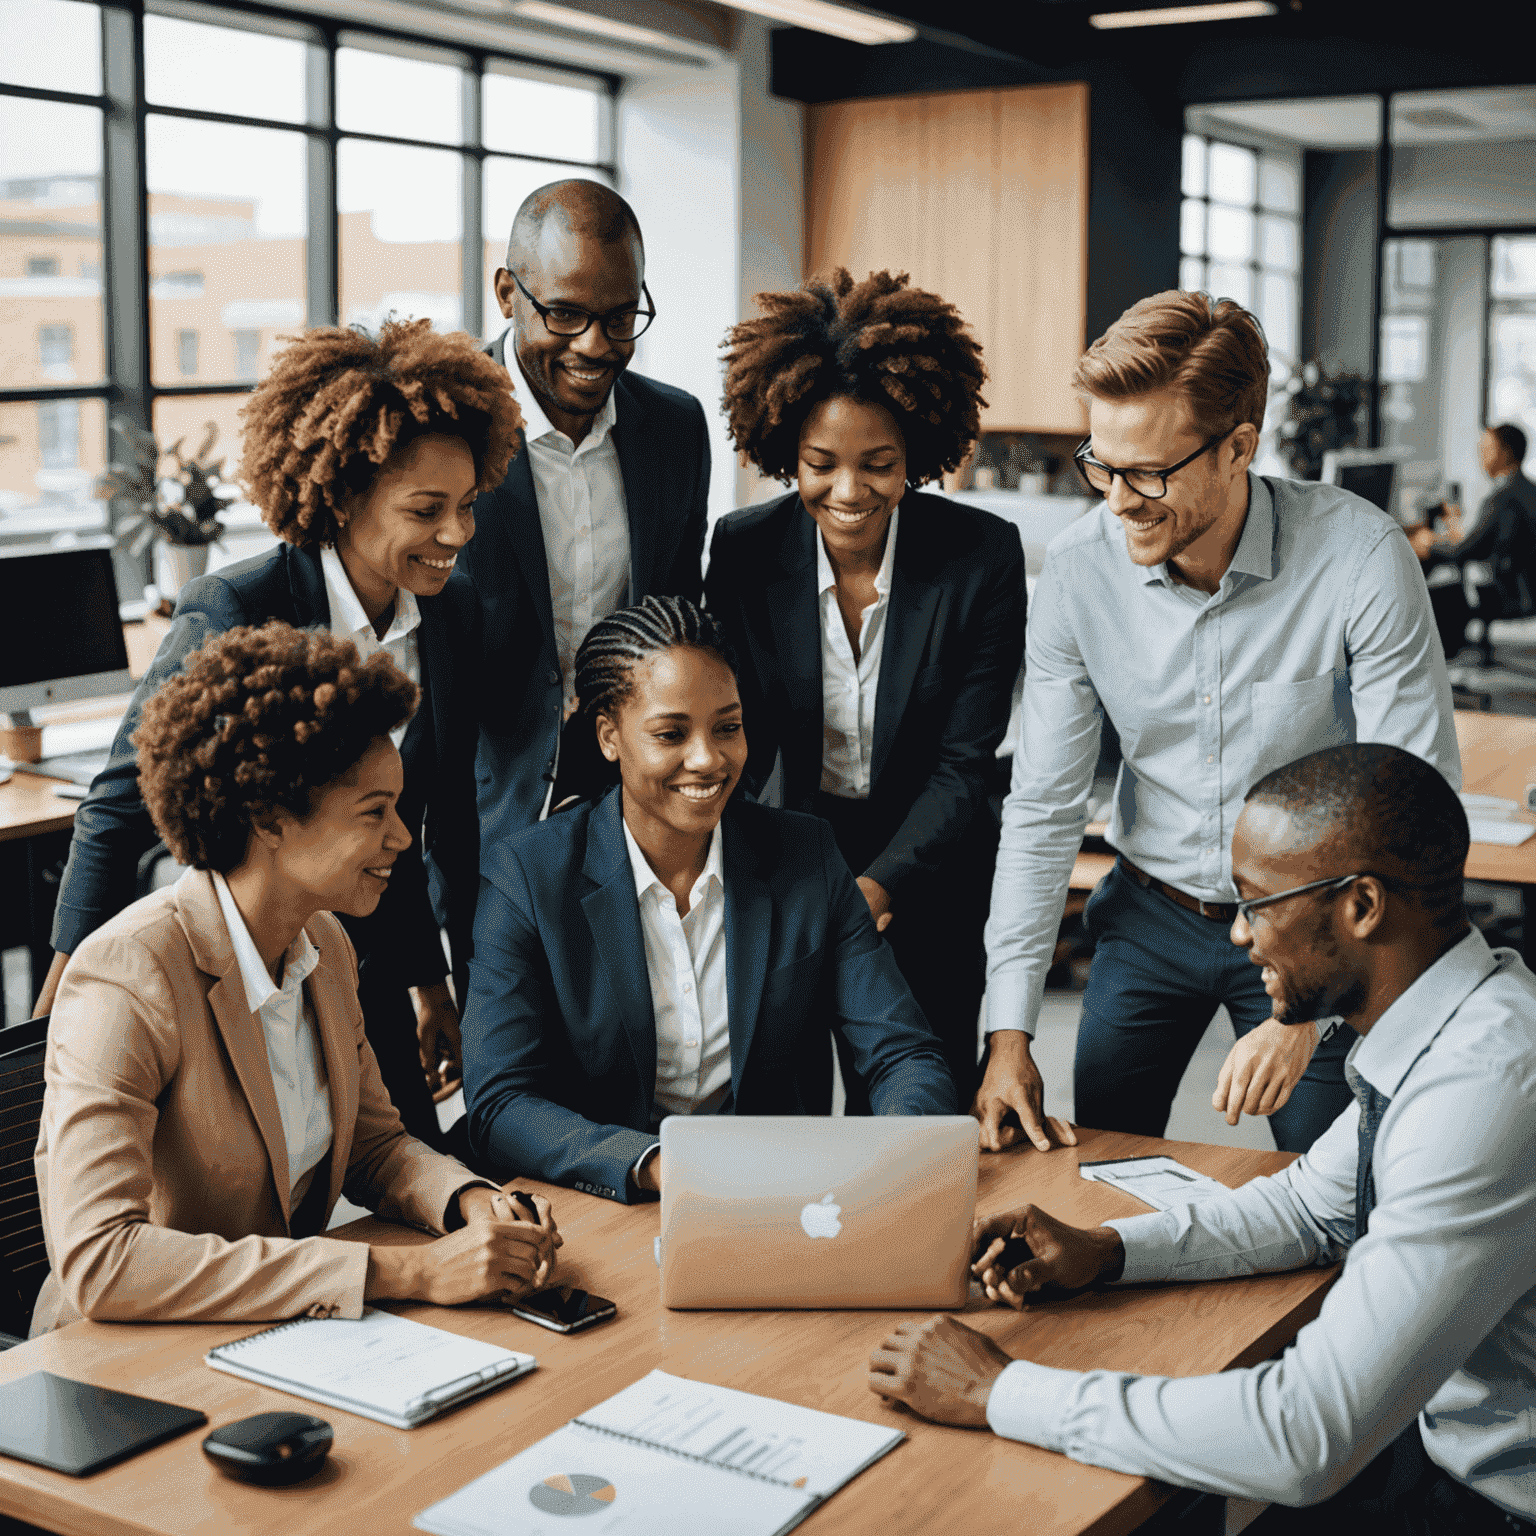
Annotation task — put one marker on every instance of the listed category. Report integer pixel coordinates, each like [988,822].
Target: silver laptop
[803,1211]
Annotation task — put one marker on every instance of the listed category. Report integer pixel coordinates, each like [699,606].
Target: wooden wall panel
[981,196]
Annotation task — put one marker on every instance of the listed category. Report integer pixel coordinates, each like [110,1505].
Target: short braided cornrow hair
[616,645]
[258,720]
[338,402]
[878,341]
[605,666]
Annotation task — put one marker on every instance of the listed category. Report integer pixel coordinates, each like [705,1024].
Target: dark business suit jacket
[113,830]
[663,447]
[1505,537]
[954,641]
[559,1032]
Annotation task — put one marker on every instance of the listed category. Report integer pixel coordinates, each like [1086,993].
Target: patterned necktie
[1373,1106]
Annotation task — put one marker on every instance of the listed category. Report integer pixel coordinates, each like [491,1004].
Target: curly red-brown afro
[338,402]
[259,720]
[879,341]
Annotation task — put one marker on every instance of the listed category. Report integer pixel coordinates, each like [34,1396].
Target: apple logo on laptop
[820,1218]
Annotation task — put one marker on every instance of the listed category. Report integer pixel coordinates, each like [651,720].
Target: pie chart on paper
[573,1493]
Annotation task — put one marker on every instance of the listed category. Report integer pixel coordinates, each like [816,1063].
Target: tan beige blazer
[161,1143]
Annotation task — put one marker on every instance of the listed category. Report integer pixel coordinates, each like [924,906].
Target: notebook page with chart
[673,1457]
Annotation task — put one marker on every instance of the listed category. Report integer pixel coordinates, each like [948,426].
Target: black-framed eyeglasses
[622,324]
[1246,909]
[1151,484]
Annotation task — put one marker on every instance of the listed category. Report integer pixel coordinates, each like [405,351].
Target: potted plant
[1324,412]
[177,511]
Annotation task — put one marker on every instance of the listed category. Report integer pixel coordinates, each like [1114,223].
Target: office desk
[1498,757]
[378,1478]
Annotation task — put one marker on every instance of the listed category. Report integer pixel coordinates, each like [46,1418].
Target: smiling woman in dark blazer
[365,456]
[666,950]
[880,630]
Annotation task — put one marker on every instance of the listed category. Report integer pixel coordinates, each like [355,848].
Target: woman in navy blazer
[563,1056]
[880,631]
[375,448]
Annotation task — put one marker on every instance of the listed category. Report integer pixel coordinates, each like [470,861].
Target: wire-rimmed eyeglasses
[1246,909]
[623,324]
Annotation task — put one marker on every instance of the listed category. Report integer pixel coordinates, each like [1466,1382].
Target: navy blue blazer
[663,446]
[559,1032]
[113,829]
[954,642]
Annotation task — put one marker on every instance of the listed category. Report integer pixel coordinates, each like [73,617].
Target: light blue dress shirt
[1320,633]
[1435,1309]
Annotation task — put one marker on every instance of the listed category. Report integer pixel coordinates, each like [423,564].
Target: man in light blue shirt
[1407,1404]
[1225,622]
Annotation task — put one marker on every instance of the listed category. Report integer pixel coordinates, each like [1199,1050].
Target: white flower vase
[176,565]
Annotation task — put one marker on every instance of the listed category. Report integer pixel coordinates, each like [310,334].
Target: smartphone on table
[564,1309]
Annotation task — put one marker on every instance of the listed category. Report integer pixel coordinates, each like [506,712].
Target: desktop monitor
[1368,472]
[61,635]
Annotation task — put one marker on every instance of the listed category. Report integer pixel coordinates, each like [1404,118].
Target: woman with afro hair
[880,630]
[208,1088]
[365,455]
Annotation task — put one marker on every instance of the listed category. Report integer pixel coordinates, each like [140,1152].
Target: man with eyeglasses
[606,504]
[1224,622]
[1405,1408]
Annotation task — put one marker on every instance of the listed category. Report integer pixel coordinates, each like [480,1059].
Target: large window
[1240,235]
[1512,334]
[266,172]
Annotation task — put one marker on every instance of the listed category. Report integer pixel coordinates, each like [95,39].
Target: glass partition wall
[184,185]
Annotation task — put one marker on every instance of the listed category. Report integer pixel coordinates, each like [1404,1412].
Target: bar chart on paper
[670,1457]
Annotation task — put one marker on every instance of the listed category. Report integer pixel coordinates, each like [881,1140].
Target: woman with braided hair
[666,950]
[881,630]
[208,1089]
[365,455]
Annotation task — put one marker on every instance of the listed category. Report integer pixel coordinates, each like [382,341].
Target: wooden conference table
[378,1478]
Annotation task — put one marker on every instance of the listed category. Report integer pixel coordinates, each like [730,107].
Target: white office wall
[713,166]
[1460,308]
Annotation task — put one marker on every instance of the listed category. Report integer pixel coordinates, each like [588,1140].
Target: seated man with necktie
[1406,1406]
[664,950]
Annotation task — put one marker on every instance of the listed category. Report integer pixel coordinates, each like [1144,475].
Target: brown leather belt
[1216,911]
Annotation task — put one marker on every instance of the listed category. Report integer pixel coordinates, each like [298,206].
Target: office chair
[23,1259]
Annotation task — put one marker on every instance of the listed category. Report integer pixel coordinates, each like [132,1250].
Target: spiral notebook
[669,1457]
[380,1366]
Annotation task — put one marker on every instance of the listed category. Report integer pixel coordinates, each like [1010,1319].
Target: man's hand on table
[500,1252]
[1064,1259]
[1013,1081]
[940,1369]
[1263,1068]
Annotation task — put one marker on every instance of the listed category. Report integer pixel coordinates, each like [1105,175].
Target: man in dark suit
[560,1039]
[1504,538]
[607,503]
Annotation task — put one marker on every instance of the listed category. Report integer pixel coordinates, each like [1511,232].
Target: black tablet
[71,1426]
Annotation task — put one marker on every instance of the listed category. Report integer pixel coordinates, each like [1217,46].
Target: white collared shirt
[685,960]
[848,687]
[585,523]
[1435,1308]
[293,1046]
[349,621]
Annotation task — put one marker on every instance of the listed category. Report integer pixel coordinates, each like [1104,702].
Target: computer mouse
[270,1448]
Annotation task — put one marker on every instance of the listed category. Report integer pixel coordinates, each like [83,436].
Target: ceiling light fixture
[575,20]
[834,20]
[1227,10]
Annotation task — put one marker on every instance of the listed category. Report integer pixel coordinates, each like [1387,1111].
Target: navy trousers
[1159,973]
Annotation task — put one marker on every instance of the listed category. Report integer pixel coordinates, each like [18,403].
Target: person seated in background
[880,631]
[365,456]
[1406,1406]
[1503,538]
[209,1090]
[665,951]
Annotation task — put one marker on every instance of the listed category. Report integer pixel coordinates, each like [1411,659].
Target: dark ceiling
[1310,47]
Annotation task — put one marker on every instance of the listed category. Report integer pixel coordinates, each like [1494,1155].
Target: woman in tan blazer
[209,1089]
